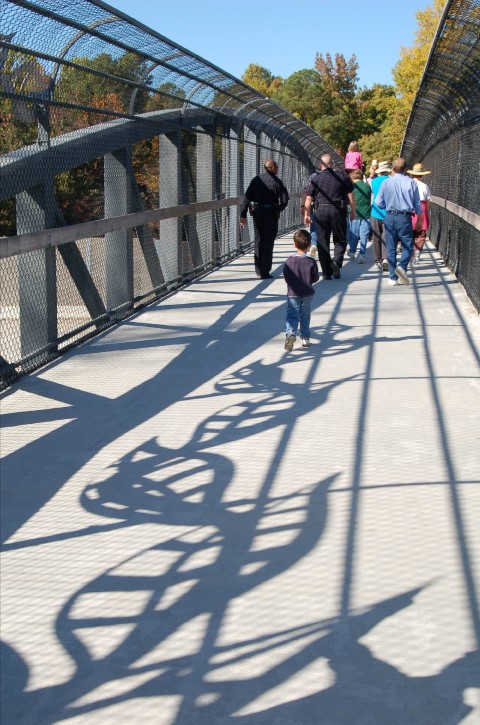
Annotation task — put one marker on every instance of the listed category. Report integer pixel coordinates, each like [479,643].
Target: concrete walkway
[200,528]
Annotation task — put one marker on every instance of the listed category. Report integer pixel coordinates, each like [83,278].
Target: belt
[265,206]
[400,211]
[330,203]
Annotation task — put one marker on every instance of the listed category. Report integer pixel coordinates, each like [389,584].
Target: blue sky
[284,35]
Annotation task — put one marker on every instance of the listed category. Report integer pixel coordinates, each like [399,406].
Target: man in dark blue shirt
[332,191]
[267,197]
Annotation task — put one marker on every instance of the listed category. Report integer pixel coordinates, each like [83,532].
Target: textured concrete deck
[201,528]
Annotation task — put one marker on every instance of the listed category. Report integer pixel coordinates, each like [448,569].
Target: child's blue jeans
[358,228]
[298,311]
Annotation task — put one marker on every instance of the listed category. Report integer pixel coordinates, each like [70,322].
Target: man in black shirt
[267,197]
[332,191]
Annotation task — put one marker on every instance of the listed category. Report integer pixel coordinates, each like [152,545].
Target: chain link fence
[123,158]
[443,133]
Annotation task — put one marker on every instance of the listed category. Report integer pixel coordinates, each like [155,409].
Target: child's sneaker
[289,340]
[361,259]
[305,342]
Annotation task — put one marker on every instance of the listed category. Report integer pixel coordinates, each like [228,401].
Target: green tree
[340,119]
[407,74]
[262,79]
[302,94]
[170,96]
[374,106]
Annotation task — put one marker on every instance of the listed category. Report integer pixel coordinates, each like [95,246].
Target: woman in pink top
[353,159]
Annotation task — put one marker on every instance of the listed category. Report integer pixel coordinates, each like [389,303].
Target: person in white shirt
[420,235]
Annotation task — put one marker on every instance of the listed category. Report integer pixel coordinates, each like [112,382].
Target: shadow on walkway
[151,628]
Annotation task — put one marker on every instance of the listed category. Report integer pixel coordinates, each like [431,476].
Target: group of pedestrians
[388,207]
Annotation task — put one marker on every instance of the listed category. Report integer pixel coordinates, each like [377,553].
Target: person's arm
[353,206]
[243,211]
[308,204]
[302,202]
[418,207]
[379,200]
[283,196]
[315,275]
[249,195]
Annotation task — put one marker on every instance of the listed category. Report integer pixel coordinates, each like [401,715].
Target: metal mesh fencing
[123,158]
[443,133]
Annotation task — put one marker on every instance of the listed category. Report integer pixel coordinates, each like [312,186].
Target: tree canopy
[328,98]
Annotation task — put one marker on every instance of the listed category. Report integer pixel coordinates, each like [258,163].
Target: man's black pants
[330,219]
[265,223]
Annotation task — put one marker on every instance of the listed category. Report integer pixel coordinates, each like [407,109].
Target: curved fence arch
[123,161]
[443,133]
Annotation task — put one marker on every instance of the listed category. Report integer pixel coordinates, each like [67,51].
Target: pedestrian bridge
[197,526]
[202,528]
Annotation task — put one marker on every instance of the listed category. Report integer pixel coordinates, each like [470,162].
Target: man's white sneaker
[313,252]
[305,342]
[402,276]
[361,259]
[392,282]
[289,341]
[379,266]
[385,265]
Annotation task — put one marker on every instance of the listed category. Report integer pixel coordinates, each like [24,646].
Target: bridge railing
[123,159]
[443,133]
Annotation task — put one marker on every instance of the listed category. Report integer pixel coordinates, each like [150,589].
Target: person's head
[326,161]
[373,168]
[271,165]
[356,175]
[353,146]
[399,166]
[302,240]
[384,168]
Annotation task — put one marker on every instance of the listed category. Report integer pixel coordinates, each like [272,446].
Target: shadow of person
[13,683]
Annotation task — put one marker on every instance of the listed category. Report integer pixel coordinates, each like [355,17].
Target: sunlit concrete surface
[201,528]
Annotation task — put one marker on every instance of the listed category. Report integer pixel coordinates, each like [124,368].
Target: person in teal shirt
[378,217]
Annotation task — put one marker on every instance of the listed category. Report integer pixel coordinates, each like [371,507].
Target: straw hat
[418,170]
[384,167]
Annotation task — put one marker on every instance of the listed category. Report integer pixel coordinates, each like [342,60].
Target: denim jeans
[313,232]
[398,228]
[298,311]
[358,228]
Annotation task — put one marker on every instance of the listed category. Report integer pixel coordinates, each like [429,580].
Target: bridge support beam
[37,274]
[118,244]
[230,187]
[205,182]
[170,150]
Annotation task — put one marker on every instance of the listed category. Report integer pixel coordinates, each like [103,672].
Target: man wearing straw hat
[420,235]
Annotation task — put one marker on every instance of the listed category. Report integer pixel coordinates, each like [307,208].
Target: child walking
[300,272]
